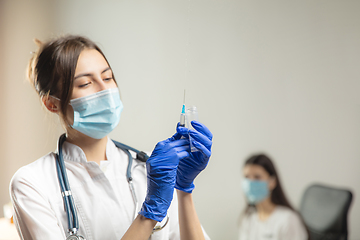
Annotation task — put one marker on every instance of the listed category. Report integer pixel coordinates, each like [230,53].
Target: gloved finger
[198,126]
[201,138]
[179,151]
[183,152]
[202,149]
[176,136]
[169,158]
[168,144]
[172,148]
[183,131]
[178,143]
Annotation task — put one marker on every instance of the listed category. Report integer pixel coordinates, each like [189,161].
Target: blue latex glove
[161,176]
[191,166]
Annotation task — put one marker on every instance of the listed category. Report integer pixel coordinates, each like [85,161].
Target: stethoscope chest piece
[75,237]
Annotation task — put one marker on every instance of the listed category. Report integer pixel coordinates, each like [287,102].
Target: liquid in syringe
[182,115]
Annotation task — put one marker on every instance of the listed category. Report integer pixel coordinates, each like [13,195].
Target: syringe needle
[184,97]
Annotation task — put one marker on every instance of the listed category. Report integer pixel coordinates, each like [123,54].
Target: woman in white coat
[75,81]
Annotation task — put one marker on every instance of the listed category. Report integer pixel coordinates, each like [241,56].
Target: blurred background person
[268,214]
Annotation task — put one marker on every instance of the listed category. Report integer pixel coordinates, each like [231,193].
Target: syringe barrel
[182,120]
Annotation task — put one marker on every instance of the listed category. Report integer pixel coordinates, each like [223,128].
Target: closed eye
[84,85]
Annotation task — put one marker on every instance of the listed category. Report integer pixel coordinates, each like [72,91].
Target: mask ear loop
[55,98]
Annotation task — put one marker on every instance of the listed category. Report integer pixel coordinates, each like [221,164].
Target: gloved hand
[161,176]
[191,166]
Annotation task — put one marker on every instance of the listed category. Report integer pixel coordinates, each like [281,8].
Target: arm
[161,176]
[190,227]
[140,229]
[33,215]
[188,169]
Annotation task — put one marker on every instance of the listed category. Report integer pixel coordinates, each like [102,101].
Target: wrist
[181,193]
[154,209]
[150,221]
[188,188]
[184,197]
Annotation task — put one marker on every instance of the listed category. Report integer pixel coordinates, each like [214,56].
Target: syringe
[182,115]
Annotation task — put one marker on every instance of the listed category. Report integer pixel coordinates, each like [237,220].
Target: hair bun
[38,42]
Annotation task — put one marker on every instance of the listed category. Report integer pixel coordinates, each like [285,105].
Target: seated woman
[268,214]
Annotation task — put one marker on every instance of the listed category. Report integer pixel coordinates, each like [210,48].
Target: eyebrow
[89,74]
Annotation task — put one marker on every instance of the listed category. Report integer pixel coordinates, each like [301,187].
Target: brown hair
[51,70]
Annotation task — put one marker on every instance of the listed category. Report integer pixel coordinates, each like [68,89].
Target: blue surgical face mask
[96,115]
[255,190]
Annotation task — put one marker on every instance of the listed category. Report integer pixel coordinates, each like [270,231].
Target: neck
[265,208]
[94,149]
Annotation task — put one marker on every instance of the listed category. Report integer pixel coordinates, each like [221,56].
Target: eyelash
[105,79]
[84,85]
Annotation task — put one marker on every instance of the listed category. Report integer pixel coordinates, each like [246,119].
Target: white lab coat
[282,224]
[101,193]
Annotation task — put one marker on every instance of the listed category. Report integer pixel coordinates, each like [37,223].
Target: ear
[51,104]
[272,183]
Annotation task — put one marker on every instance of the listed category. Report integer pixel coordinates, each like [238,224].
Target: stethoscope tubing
[73,223]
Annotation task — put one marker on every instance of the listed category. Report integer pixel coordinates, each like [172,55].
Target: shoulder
[34,175]
[291,223]
[286,214]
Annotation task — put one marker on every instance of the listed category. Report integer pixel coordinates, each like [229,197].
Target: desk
[8,230]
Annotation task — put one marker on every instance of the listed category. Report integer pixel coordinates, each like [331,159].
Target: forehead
[254,169]
[90,60]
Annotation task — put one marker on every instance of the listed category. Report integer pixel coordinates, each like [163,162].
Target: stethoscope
[72,218]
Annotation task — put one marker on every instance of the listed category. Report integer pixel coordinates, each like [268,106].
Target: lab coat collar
[74,153]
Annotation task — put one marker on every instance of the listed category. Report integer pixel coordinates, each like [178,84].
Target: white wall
[275,76]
